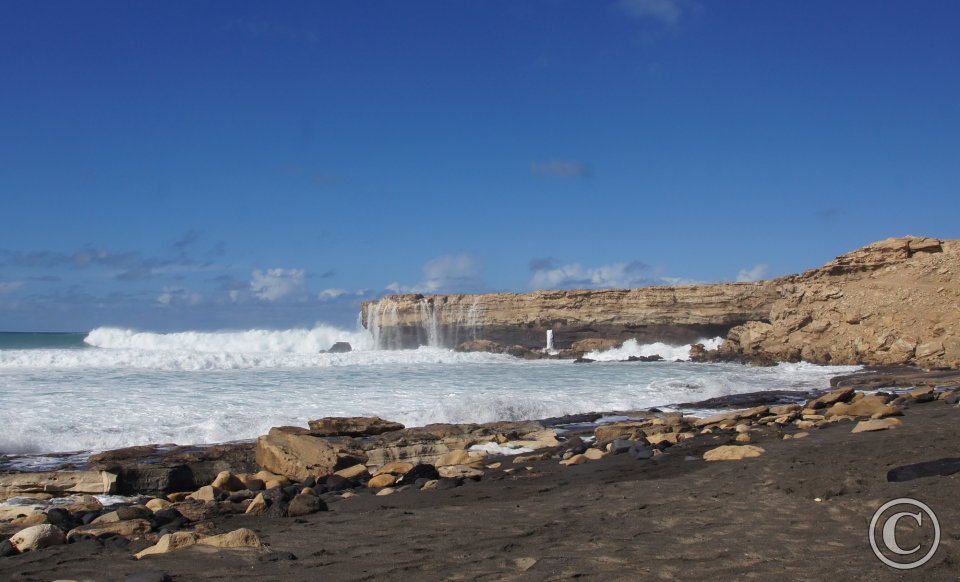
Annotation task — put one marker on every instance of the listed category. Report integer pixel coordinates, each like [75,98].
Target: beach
[800,510]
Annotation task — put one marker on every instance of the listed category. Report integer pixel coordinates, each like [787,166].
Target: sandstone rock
[460,471]
[871,306]
[395,468]
[733,453]
[430,485]
[595,344]
[170,542]
[84,504]
[743,438]
[258,506]
[384,480]
[353,472]
[593,454]
[875,425]
[352,426]
[37,537]
[673,314]
[575,460]
[9,512]
[238,538]
[663,437]
[206,493]
[35,519]
[784,409]
[631,430]
[158,504]
[227,481]
[460,458]
[831,398]
[297,454]
[866,406]
[57,483]
[127,528]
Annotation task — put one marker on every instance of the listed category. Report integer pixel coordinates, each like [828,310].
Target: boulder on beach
[296,453]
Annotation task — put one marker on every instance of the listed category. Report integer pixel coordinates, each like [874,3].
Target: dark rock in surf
[340,348]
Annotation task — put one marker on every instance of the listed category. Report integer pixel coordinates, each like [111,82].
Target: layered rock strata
[894,302]
[680,314]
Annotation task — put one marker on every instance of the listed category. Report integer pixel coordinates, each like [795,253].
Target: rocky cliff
[680,314]
[896,301]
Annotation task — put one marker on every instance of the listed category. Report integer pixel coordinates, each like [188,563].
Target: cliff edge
[889,303]
[896,301]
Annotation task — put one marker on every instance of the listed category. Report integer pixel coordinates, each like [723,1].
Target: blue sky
[212,165]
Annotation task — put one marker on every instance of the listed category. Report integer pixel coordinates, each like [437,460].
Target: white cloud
[575,276]
[277,284]
[667,12]
[757,273]
[177,295]
[328,294]
[450,273]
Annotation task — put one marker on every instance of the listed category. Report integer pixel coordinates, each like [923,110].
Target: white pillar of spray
[549,340]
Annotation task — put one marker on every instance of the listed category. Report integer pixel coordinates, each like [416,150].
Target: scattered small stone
[593,454]
[575,460]
[733,453]
[258,506]
[305,505]
[386,491]
[876,424]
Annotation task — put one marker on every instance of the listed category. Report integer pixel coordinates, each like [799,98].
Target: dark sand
[612,519]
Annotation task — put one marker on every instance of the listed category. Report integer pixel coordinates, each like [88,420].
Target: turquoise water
[42,341]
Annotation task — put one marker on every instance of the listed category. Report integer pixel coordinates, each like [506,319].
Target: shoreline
[673,514]
[868,378]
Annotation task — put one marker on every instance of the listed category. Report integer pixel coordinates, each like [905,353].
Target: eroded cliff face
[896,301]
[680,314]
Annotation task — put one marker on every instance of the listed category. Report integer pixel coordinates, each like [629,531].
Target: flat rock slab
[938,468]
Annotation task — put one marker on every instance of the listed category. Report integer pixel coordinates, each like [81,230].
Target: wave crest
[255,341]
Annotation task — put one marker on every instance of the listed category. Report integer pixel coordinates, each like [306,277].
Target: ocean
[110,388]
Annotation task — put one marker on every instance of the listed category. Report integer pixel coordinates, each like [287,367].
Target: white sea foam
[291,341]
[632,347]
[193,388]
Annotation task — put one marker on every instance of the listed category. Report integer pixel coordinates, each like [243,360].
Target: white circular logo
[892,553]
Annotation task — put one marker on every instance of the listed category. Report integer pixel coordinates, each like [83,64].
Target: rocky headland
[894,302]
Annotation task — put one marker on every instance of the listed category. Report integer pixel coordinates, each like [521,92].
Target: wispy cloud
[561,169]
[188,238]
[178,295]
[666,12]
[449,273]
[576,276]
[278,284]
[757,273]
[10,286]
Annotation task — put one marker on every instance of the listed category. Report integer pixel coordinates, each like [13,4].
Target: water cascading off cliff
[680,315]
